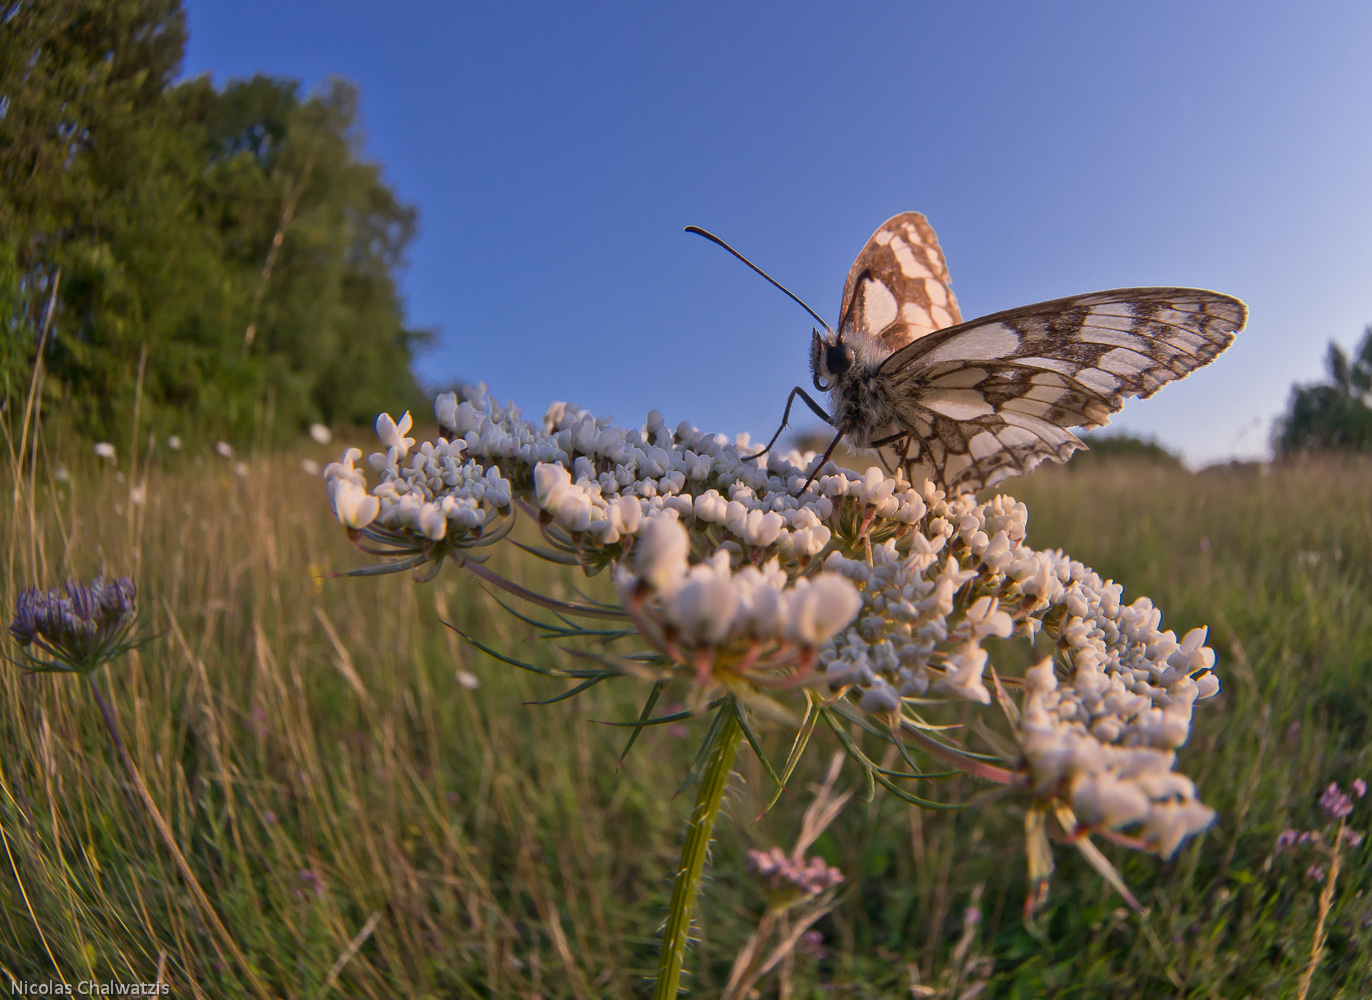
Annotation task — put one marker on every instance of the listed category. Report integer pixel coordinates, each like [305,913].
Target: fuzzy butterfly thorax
[969,404]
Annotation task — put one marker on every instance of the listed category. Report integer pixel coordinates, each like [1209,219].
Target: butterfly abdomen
[865,400]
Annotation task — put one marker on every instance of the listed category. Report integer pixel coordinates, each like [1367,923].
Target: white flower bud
[445,409]
[392,433]
[661,553]
[431,521]
[880,698]
[1169,823]
[703,607]
[963,672]
[817,611]
[550,482]
[352,504]
[1104,800]
[1207,686]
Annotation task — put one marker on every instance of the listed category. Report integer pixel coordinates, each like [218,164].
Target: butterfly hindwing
[898,288]
[991,398]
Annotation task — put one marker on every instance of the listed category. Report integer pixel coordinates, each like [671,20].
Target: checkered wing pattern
[898,289]
[981,401]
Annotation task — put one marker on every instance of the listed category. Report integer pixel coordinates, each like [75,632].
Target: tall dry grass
[366,825]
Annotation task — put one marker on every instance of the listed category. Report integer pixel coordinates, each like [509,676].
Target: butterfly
[967,404]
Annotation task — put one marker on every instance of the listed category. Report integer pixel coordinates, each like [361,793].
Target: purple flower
[1359,787]
[791,879]
[1335,802]
[812,943]
[1315,873]
[81,627]
[1352,838]
[1285,840]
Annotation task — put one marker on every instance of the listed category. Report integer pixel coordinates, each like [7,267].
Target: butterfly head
[830,359]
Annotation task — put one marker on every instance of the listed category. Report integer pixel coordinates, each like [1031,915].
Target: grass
[368,826]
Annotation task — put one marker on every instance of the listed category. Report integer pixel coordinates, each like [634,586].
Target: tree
[1332,415]
[230,244]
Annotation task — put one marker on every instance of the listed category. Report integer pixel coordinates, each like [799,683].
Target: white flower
[963,672]
[320,433]
[431,521]
[552,483]
[1169,823]
[820,607]
[309,466]
[661,554]
[703,607]
[174,443]
[345,468]
[1105,800]
[352,504]
[445,409]
[468,680]
[105,450]
[392,433]
[224,449]
[879,698]
[240,469]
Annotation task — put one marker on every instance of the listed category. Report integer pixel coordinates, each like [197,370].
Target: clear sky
[555,151]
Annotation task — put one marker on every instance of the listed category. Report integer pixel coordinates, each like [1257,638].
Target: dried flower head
[80,627]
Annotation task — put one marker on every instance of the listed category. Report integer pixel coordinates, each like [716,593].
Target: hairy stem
[676,932]
[170,840]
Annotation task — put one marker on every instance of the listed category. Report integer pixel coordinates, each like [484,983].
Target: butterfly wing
[993,397]
[898,289]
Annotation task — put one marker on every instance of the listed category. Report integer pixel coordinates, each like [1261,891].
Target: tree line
[225,258]
[224,254]
[1332,415]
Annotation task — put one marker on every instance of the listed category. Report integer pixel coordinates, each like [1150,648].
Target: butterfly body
[967,404]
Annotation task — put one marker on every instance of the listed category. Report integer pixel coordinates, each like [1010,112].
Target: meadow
[375,810]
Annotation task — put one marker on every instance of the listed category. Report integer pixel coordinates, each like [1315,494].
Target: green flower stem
[169,839]
[676,933]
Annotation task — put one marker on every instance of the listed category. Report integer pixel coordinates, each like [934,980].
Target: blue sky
[555,151]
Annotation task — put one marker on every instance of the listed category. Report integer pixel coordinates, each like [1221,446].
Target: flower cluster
[79,626]
[432,498]
[791,879]
[1336,805]
[883,591]
[714,617]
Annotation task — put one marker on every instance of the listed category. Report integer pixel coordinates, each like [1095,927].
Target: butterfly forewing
[898,289]
[991,398]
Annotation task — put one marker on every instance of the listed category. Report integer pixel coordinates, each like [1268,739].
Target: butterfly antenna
[792,295]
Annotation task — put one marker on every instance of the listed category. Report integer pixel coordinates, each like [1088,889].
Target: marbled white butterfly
[970,404]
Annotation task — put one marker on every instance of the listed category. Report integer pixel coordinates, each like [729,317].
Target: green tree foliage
[230,243]
[1121,445]
[1332,415]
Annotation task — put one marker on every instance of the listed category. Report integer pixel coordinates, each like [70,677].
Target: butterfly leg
[842,430]
[902,450]
[786,416]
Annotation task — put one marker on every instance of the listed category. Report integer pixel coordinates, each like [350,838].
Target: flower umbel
[79,626]
[869,602]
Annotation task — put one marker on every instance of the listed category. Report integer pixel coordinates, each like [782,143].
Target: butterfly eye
[838,359]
